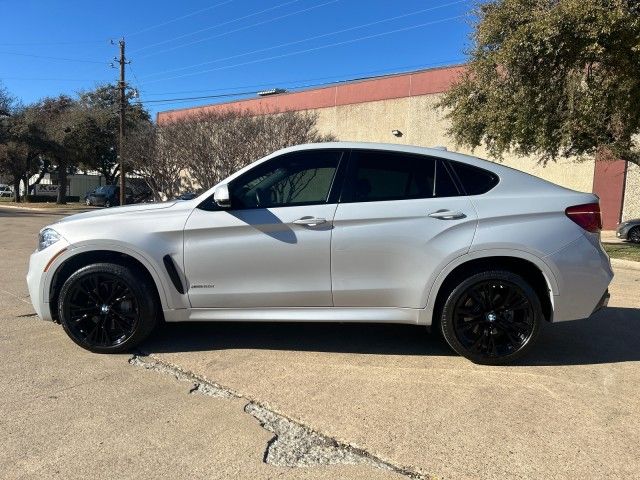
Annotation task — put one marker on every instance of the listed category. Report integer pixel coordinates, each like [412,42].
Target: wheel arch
[82,257]
[530,267]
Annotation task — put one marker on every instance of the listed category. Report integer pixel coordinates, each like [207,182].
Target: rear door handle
[309,221]
[447,215]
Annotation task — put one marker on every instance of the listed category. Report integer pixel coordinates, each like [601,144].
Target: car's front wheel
[107,308]
[492,317]
[634,235]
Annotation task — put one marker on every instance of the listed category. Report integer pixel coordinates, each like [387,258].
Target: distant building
[401,109]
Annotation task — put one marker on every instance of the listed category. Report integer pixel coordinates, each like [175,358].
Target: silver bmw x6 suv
[348,232]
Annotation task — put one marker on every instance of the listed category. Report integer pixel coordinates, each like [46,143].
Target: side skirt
[297,314]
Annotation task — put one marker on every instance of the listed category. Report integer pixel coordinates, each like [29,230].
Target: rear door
[401,218]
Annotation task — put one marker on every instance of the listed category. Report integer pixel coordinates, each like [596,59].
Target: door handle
[447,215]
[309,221]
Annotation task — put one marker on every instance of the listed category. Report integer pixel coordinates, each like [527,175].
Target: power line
[321,47]
[302,86]
[80,60]
[45,79]
[357,75]
[240,29]
[295,42]
[174,100]
[38,44]
[176,19]
[214,26]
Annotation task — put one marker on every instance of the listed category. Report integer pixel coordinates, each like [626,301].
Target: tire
[107,204]
[107,308]
[478,324]
[87,202]
[634,235]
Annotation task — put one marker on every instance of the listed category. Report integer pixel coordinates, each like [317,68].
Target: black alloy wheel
[492,317]
[634,235]
[107,308]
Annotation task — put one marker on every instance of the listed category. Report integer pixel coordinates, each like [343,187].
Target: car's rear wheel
[634,235]
[87,202]
[492,317]
[107,308]
[107,203]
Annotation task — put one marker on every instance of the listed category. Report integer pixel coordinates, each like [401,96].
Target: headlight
[47,237]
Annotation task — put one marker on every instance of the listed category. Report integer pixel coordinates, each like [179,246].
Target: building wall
[78,184]
[422,124]
[632,193]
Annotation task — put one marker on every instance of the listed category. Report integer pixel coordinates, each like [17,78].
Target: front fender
[168,298]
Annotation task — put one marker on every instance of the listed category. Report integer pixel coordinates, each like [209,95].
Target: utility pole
[121,86]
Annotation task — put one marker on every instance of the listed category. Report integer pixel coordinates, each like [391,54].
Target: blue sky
[211,47]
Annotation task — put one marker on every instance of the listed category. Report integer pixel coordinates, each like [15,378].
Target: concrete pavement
[569,410]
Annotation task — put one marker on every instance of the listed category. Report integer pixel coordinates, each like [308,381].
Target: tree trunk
[25,180]
[43,172]
[16,189]
[62,183]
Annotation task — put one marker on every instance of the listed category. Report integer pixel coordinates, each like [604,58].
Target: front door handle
[447,215]
[309,221]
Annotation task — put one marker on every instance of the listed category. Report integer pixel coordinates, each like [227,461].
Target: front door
[272,247]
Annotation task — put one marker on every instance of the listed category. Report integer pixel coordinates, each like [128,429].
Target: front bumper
[38,280]
[623,231]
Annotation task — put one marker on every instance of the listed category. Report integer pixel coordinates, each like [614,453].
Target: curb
[24,208]
[48,209]
[625,264]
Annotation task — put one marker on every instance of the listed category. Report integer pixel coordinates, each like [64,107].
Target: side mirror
[221,196]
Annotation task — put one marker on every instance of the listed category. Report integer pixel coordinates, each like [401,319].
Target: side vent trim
[170,266]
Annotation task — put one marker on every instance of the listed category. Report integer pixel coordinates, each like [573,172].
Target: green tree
[20,149]
[8,102]
[97,128]
[56,118]
[552,78]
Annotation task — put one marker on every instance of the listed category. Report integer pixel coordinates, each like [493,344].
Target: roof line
[340,83]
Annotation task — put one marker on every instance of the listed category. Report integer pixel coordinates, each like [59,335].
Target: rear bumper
[604,301]
[583,272]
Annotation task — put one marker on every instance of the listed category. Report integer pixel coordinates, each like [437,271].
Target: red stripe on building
[423,82]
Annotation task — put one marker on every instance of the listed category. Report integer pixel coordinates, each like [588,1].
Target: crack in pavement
[294,444]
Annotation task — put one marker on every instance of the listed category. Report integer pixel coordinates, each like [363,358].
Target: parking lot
[345,401]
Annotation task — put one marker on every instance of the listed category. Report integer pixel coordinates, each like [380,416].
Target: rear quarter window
[474,180]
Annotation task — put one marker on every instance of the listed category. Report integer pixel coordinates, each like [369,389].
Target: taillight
[587,216]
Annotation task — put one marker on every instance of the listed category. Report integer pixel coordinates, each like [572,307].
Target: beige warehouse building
[402,109]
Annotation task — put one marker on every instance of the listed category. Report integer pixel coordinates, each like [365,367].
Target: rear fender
[431,293]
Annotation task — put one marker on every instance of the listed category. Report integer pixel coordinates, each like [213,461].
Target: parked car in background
[345,232]
[141,193]
[187,196]
[629,230]
[108,196]
[6,191]
[87,196]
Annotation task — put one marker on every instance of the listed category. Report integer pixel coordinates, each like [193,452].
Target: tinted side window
[381,175]
[300,178]
[475,181]
[445,186]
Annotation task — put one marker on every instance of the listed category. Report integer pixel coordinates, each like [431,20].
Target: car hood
[110,212]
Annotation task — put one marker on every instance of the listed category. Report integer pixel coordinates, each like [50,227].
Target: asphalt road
[401,401]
